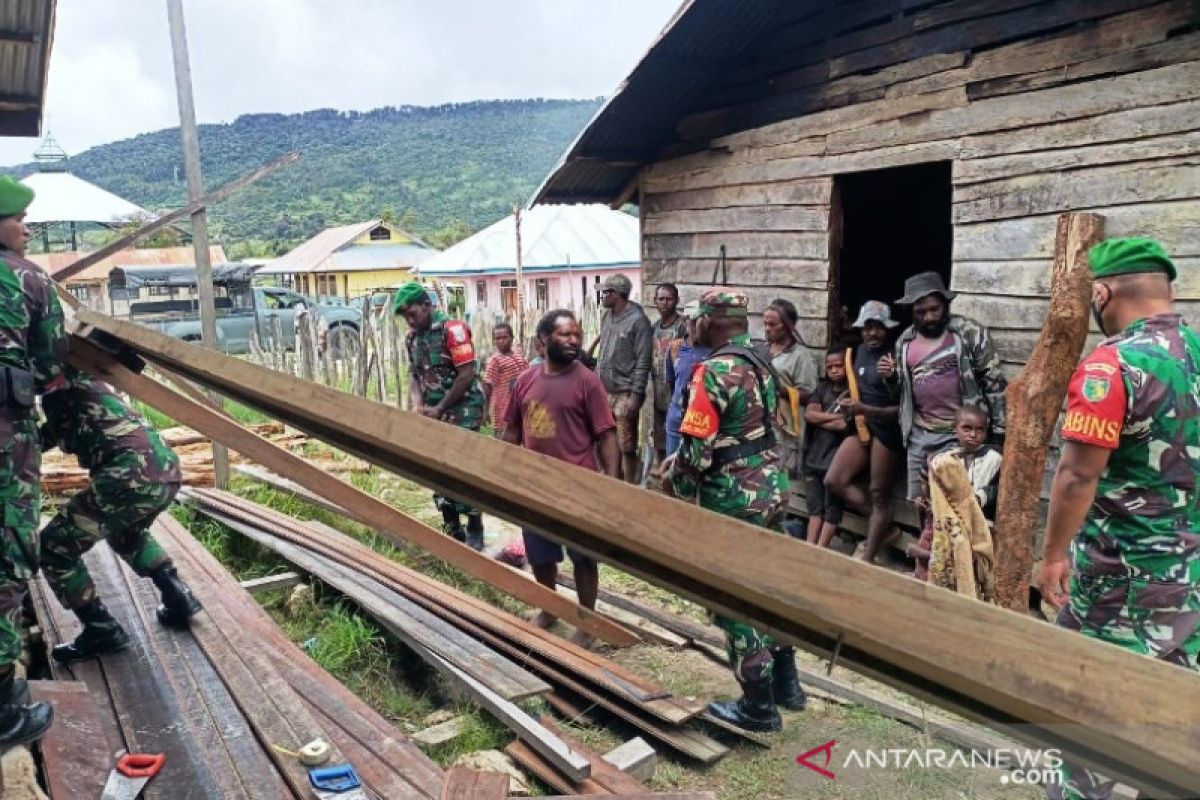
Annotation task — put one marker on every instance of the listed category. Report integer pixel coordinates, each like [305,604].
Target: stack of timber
[390,592]
[1100,704]
[221,700]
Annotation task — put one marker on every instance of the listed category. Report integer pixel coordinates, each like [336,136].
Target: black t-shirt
[820,444]
[873,390]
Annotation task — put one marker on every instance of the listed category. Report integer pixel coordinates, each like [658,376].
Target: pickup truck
[241,307]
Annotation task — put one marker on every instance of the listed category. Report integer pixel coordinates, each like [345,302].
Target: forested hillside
[433,168]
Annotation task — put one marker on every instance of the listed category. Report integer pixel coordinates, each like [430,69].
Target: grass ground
[393,680]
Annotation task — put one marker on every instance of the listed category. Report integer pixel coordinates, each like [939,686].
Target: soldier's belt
[727,455]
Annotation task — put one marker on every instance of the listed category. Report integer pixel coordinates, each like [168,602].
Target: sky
[111,74]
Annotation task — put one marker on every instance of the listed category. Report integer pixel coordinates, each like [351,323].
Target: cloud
[111,74]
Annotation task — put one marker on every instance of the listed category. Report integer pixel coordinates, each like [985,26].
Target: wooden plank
[603,772]
[463,783]
[464,611]
[1099,187]
[737,245]
[540,768]
[391,765]
[80,749]
[389,522]
[997,168]
[1172,224]
[1031,277]
[807,191]
[1160,54]
[416,627]
[782,272]
[723,157]
[550,747]
[721,220]
[1130,124]
[1151,87]
[974,658]
[641,796]
[635,758]
[810,303]
[269,583]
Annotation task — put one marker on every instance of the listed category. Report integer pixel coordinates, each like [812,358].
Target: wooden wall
[1057,106]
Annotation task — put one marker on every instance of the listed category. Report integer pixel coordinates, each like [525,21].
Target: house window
[82,291]
[508,296]
[160,291]
[481,294]
[583,289]
[381,234]
[541,293]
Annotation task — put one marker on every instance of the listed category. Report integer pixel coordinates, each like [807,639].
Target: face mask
[1097,314]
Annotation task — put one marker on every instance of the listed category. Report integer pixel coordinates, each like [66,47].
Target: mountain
[431,168]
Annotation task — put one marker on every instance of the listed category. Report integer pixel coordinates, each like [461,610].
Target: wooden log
[1101,704]
[1034,401]
[388,521]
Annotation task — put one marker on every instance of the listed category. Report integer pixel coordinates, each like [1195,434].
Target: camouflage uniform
[729,406]
[434,357]
[134,477]
[32,342]
[1136,577]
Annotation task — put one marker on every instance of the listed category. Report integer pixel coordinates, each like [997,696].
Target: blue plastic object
[341,778]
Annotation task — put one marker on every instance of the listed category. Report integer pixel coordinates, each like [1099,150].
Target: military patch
[1095,389]
[701,419]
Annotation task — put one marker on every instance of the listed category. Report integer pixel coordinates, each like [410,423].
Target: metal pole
[195,188]
[520,280]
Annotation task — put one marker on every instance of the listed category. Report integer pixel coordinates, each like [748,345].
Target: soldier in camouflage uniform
[33,345]
[134,477]
[727,459]
[1125,489]
[441,360]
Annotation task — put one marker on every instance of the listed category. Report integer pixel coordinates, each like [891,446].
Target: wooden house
[835,148]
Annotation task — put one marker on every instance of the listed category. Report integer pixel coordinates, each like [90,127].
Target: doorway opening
[887,225]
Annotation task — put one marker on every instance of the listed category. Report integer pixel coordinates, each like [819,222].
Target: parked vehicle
[241,308]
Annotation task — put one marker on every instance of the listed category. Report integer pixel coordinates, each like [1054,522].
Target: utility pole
[520,280]
[195,188]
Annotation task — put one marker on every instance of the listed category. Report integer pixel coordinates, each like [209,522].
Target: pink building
[567,252]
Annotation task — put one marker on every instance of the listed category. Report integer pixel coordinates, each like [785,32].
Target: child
[981,462]
[827,427]
[502,369]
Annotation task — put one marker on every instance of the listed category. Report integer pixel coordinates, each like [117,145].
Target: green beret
[15,196]
[1129,255]
[722,301]
[406,295]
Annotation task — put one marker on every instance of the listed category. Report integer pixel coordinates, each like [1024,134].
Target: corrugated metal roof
[552,237]
[312,255]
[26,34]
[149,256]
[63,197]
[639,119]
[369,257]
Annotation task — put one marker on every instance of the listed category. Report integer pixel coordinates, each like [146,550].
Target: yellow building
[350,261]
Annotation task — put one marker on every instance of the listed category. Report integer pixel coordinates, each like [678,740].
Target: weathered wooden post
[1034,401]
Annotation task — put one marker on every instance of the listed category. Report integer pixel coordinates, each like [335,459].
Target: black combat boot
[451,524]
[785,683]
[178,603]
[795,528]
[753,711]
[20,723]
[475,530]
[101,634]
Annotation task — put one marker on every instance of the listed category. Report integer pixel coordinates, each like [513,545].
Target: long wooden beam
[1132,717]
[215,196]
[388,521]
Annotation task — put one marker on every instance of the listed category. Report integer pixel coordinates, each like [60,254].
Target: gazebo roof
[63,197]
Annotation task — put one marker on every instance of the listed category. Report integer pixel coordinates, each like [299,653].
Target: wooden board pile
[480,640]
[218,700]
[1102,705]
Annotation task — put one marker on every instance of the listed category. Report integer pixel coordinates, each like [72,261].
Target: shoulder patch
[1096,400]
[701,419]
[458,340]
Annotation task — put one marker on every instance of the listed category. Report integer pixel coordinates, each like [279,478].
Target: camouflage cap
[1129,255]
[406,295]
[15,196]
[722,301]
[619,283]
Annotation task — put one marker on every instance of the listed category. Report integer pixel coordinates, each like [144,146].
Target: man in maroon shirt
[559,408]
